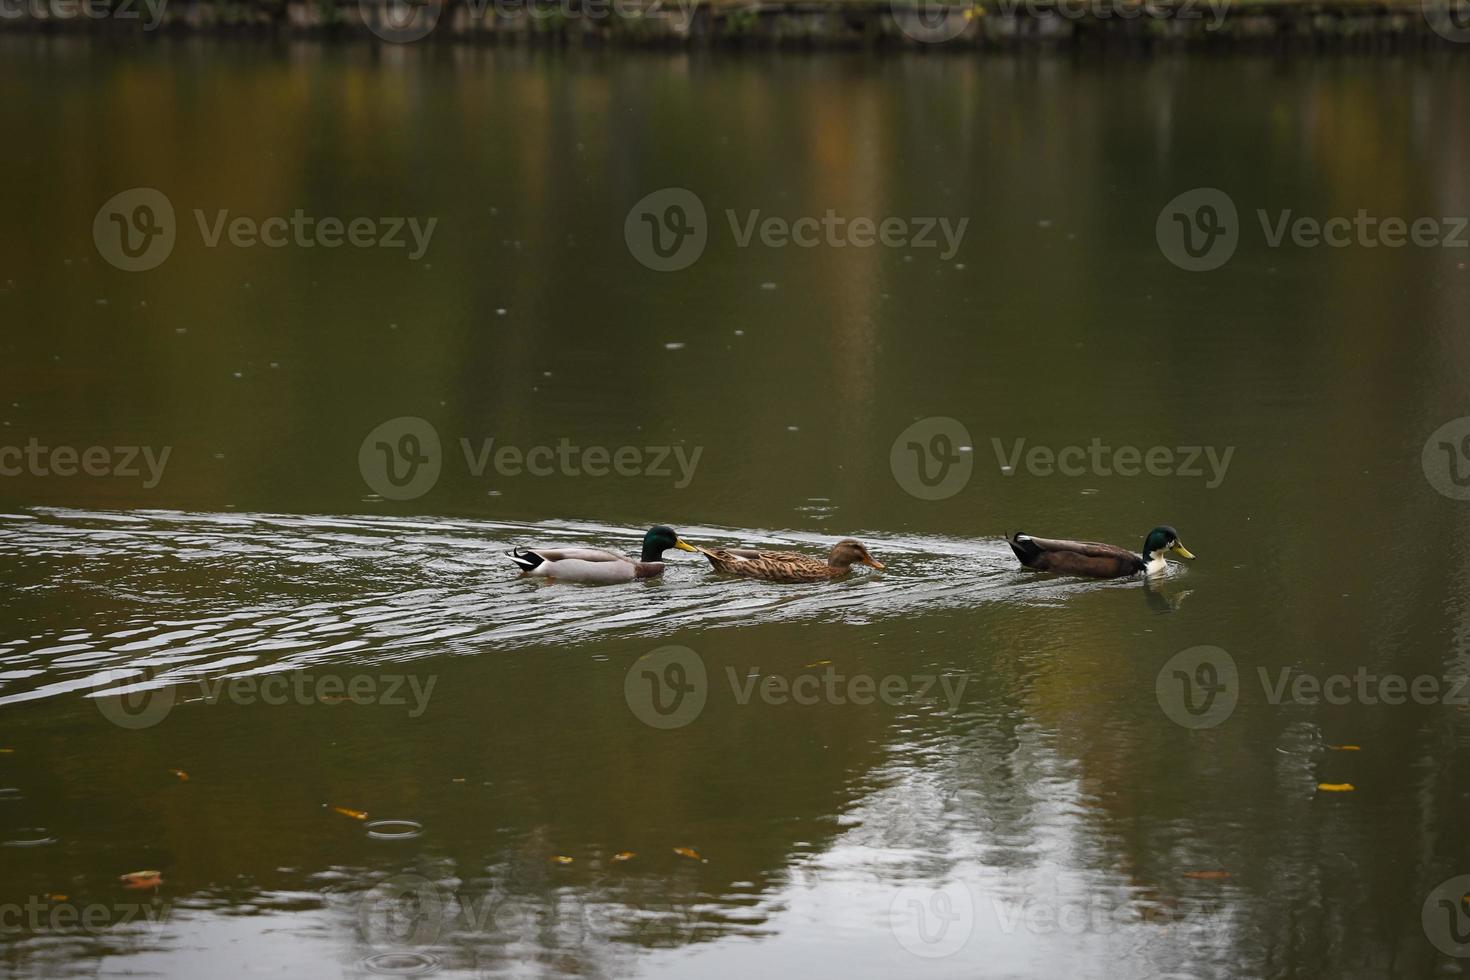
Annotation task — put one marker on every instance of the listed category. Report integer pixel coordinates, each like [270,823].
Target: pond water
[264,640]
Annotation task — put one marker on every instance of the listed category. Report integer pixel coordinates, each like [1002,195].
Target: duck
[597,566]
[788,566]
[1096,560]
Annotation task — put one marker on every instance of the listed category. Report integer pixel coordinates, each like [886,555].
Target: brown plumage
[788,566]
[1094,559]
[1089,558]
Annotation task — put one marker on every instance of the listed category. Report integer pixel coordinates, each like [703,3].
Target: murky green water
[949,768]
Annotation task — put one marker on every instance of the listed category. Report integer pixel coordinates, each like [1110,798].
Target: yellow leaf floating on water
[7,751]
[819,663]
[141,879]
[688,852]
[1211,875]
[1346,748]
[57,898]
[184,776]
[562,859]
[625,855]
[1336,787]
[354,814]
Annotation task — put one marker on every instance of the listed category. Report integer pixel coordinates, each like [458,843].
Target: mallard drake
[1098,560]
[788,566]
[598,566]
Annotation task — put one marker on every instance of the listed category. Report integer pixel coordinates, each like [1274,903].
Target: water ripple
[178,596]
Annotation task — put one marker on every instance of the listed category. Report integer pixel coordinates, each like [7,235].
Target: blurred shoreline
[1126,25]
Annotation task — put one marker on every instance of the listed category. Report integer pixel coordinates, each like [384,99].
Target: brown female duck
[788,566]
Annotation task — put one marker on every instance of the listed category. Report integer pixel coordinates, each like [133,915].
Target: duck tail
[525,560]
[1023,546]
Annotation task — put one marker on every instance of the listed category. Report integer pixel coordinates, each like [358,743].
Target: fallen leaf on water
[141,879]
[181,774]
[624,855]
[333,698]
[819,663]
[1336,787]
[688,852]
[354,814]
[57,898]
[1346,748]
[562,859]
[1207,875]
[7,751]
[457,779]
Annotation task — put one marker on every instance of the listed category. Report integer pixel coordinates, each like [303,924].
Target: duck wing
[774,566]
[1066,557]
[528,559]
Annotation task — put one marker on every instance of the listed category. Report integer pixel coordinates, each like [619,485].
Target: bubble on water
[768,285]
[394,829]
[401,964]
[674,345]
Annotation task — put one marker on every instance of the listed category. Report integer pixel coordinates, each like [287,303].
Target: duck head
[849,552]
[660,539]
[1161,539]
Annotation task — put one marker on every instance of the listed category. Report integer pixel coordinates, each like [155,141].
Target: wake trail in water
[150,598]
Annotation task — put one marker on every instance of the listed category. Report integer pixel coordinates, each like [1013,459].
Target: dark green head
[1163,538]
[660,539]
